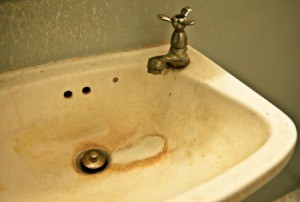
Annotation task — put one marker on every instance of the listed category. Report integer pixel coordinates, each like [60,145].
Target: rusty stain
[124,166]
[108,143]
[41,134]
[43,143]
[170,94]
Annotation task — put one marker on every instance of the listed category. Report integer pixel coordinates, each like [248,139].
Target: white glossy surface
[205,135]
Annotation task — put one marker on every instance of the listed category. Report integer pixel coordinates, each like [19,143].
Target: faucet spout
[158,63]
[177,56]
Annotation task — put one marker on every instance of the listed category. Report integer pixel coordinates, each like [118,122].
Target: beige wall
[258,41]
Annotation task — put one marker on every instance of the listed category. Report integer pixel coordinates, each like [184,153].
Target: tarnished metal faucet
[177,56]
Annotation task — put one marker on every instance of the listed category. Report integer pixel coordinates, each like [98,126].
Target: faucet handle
[188,22]
[185,11]
[178,21]
[164,17]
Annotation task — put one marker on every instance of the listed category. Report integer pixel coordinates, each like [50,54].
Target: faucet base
[178,64]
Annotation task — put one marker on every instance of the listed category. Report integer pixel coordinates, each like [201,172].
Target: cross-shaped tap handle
[179,21]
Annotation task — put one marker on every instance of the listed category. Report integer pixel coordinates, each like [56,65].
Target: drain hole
[92,171]
[68,94]
[93,160]
[86,90]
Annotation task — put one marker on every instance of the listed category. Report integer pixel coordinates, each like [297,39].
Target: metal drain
[92,160]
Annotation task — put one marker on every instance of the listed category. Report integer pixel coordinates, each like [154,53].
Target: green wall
[258,41]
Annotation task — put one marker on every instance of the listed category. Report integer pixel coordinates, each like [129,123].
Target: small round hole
[115,79]
[86,90]
[68,94]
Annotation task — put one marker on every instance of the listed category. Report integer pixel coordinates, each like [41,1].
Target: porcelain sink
[196,134]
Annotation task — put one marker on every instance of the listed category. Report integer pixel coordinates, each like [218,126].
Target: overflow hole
[68,94]
[86,90]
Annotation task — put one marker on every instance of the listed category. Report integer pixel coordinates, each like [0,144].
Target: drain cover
[92,160]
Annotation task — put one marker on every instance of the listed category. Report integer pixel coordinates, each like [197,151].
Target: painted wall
[258,41]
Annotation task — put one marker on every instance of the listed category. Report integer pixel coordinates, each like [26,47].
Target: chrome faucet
[177,56]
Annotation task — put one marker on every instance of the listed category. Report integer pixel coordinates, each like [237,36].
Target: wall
[255,40]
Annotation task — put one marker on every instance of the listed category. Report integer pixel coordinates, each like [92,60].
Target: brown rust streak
[121,167]
[108,143]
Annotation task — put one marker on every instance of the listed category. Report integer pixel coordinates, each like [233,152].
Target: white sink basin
[197,134]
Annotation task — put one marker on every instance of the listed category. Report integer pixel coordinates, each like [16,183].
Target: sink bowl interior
[186,135]
[194,132]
